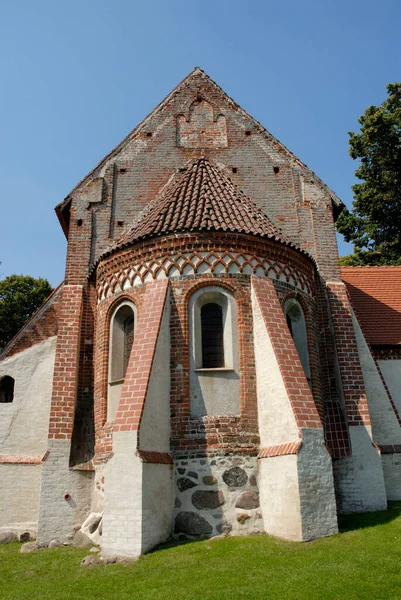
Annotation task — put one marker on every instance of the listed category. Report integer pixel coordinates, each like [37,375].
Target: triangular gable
[164,105]
[42,325]
[203,198]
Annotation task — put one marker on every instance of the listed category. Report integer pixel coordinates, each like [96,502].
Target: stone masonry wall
[216,496]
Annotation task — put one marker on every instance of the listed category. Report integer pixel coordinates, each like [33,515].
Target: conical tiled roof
[203,198]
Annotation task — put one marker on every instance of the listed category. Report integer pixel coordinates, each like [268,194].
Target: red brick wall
[135,173]
[356,406]
[212,433]
[65,378]
[105,310]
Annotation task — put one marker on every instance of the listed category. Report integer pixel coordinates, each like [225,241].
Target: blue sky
[78,76]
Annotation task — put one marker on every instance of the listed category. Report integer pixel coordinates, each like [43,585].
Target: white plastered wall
[385,426]
[58,513]
[391,371]
[122,517]
[316,484]
[297,491]
[23,431]
[359,477]
[138,497]
[155,425]
[276,419]
[157,485]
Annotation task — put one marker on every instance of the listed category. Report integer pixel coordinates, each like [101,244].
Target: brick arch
[212,281]
[115,302]
[296,295]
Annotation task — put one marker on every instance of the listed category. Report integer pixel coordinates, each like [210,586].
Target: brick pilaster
[356,406]
[66,363]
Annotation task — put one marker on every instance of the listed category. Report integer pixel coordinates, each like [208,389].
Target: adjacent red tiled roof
[202,198]
[375,294]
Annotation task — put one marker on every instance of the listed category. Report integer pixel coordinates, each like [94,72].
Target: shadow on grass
[356,521]
[172,544]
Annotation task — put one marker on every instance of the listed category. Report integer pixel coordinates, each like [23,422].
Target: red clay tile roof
[203,198]
[375,294]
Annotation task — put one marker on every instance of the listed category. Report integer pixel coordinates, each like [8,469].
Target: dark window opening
[121,343]
[79,222]
[212,336]
[234,169]
[6,389]
[289,324]
[149,134]
[276,169]
[128,340]
[247,133]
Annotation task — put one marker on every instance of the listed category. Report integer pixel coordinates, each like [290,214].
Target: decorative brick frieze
[299,394]
[197,254]
[280,450]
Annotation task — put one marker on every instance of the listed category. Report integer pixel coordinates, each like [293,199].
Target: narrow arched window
[121,341]
[296,324]
[6,389]
[212,336]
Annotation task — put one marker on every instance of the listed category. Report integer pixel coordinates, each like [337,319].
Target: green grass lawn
[364,561]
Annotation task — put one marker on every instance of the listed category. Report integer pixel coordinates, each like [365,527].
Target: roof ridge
[160,106]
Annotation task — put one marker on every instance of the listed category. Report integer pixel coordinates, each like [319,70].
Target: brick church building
[205,367]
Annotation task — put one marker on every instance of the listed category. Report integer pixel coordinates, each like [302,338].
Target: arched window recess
[213,327]
[122,327]
[295,318]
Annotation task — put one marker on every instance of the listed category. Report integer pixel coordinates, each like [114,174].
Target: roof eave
[62,211]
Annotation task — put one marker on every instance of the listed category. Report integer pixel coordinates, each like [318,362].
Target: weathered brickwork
[280,450]
[200,205]
[351,373]
[212,434]
[66,364]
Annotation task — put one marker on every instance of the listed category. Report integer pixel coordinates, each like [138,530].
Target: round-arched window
[296,324]
[122,327]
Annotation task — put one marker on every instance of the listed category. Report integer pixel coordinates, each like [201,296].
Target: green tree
[374,224]
[20,297]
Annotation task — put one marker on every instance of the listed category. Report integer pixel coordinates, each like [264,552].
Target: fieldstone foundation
[216,496]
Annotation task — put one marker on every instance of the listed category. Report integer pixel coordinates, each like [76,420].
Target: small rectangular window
[212,336]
